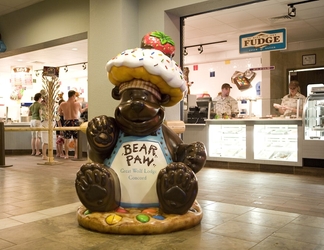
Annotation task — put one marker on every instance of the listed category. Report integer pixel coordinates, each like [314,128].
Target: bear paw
[98,187]
[177,188]
[195,156]
[102,133]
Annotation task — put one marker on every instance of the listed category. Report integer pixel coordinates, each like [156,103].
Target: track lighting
[84,66]
[291,10]
[37,73]
[200,46]
[66,69]
[185,52]
[200,49]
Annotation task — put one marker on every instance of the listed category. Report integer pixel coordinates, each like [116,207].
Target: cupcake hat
[149,68]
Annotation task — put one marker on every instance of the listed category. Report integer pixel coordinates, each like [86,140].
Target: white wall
[204,83]
[223,72]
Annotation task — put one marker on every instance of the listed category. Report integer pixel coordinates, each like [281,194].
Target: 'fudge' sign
[263,41]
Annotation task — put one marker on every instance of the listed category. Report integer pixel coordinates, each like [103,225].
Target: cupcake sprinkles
[149,65]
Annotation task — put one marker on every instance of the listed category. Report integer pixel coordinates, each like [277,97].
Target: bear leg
[98,187]
[177,188]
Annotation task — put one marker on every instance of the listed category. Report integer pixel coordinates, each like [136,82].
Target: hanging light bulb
[185,52]
[292,11]
[200,49]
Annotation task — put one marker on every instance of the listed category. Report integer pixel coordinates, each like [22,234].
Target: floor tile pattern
[242,210]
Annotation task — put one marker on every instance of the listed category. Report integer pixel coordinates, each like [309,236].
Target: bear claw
[98,187]
[177,188]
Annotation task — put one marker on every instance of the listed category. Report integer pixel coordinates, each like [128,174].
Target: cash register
[199,113]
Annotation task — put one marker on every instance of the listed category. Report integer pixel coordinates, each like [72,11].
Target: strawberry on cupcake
[152,64]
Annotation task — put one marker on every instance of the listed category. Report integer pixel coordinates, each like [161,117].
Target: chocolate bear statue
[137,161]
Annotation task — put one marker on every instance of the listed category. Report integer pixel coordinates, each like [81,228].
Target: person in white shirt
[289,105]
[225,104]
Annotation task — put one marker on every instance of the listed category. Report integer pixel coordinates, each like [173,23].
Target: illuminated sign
[51,71]
[263,41]
[21,69]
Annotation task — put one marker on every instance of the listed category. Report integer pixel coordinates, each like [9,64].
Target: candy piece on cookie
[143,218]
[113,219]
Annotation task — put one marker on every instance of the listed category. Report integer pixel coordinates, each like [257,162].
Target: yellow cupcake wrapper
[119,75]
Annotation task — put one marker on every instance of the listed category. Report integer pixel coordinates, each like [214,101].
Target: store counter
[17,140]
[20,141]
[256,140]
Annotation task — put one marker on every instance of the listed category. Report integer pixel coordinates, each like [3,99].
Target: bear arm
[97,157]
[194,155]
[172,141]
[102,133]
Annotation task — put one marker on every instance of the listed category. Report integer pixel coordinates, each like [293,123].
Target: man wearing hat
[289,102]
[225,104]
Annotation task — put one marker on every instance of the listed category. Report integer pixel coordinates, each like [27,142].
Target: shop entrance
[306,77]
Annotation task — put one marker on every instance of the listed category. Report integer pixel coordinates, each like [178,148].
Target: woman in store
[34,112]
[289,103]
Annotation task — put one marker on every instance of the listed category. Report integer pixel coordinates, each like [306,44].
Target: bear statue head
[140,111]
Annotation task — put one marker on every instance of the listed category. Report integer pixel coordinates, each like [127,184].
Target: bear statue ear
[115,93]
[164,99]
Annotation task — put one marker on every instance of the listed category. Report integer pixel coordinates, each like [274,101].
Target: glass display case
[276,142]
[227,141]
[314,117]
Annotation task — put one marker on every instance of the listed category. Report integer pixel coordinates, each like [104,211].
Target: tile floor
[242,210]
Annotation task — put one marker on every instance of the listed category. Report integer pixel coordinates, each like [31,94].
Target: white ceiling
[67,54]
[227,24]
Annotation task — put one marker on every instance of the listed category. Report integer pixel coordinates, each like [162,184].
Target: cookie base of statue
[139,221]
[143,176]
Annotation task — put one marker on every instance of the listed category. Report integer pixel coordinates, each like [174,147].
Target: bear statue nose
[137,106]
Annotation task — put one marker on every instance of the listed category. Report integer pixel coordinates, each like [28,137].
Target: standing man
[226,106]
[71,111]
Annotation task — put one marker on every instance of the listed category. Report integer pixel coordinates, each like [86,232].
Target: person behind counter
[288,105]
[225,104]
[34,112]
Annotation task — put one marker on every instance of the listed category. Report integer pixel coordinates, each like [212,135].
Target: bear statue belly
[137,162]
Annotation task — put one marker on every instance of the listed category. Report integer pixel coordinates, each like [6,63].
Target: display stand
[51,86]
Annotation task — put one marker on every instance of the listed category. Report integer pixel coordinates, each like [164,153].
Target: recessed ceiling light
[75,49]
[20,60]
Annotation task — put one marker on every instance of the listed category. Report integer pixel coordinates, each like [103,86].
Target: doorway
[306,77]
